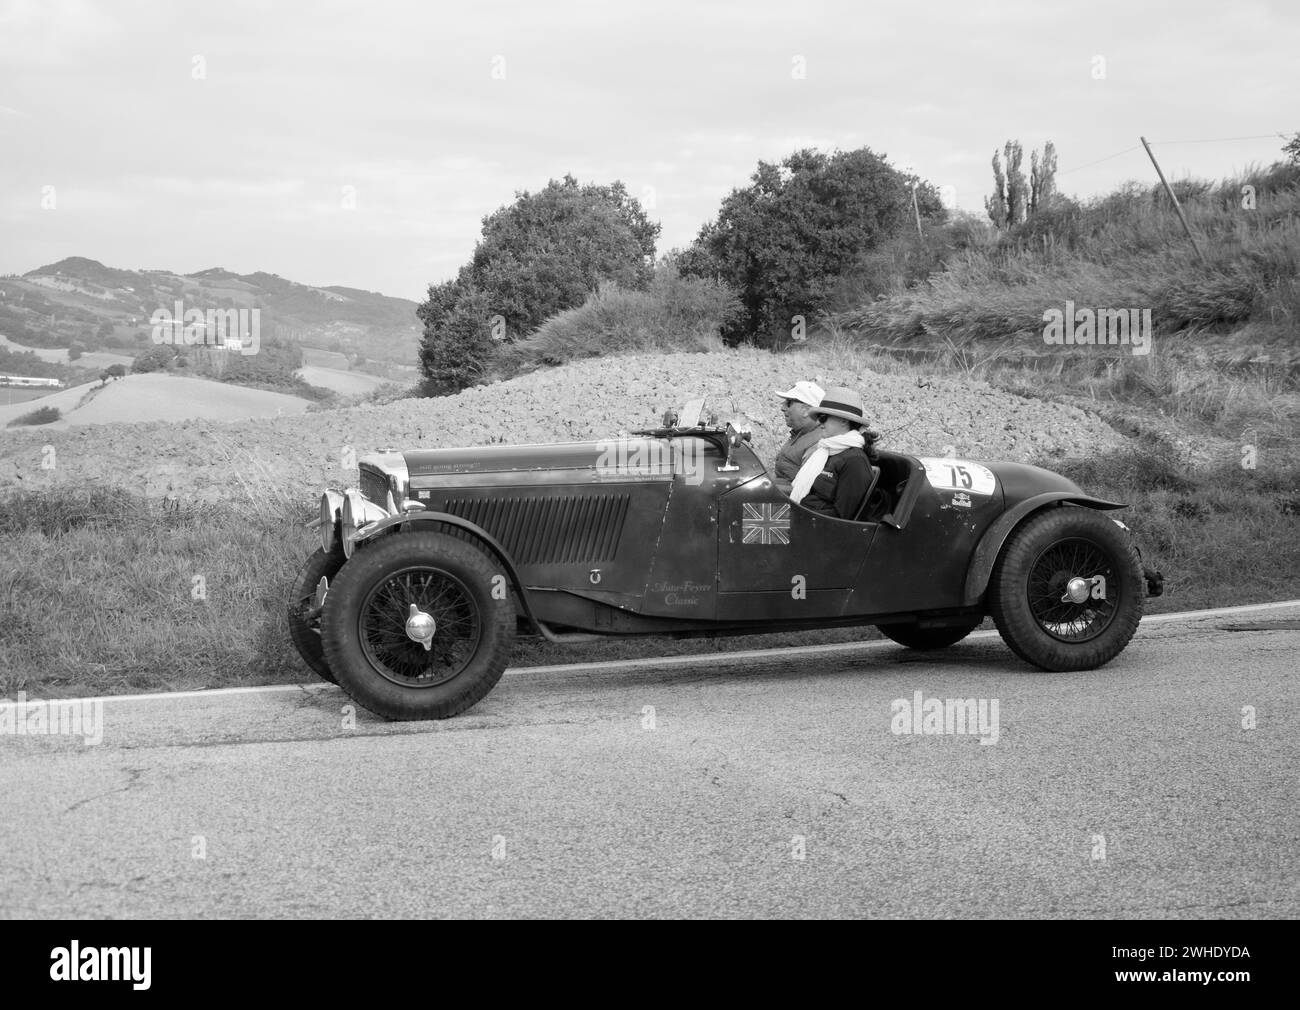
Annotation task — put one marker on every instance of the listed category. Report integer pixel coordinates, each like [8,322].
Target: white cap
[805,392]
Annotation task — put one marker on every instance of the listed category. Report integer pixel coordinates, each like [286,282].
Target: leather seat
[866,498]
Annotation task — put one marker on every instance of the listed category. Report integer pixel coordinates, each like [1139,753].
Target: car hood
[504,458]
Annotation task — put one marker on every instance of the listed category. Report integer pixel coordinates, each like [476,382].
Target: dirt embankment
[298,455]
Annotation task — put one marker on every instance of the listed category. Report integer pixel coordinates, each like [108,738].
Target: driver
[836,475]
[800,401]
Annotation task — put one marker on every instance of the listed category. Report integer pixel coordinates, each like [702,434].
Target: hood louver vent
[549,530]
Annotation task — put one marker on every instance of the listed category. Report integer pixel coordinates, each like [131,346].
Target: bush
[41,415]
[907,258]
[676,314]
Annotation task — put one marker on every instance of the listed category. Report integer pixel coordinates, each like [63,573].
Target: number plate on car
[959,475]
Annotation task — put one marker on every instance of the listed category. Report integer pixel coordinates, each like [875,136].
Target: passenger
[804,431]
[836,476]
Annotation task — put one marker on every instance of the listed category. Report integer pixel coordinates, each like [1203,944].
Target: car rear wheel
[418,626]
[926,639]
[304,616]
[1066,592]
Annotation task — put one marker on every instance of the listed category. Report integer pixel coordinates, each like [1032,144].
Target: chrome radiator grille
[374,485]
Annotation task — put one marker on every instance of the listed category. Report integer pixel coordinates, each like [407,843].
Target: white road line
[701,659]
[1188,615]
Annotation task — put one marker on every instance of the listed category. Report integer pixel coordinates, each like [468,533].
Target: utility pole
[917,211]
[1177,206]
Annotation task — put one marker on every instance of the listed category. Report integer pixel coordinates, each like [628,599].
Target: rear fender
[990,545]
[417,519]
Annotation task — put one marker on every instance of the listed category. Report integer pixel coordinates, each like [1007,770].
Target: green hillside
[103,308]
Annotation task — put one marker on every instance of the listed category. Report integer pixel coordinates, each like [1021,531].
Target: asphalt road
[763,787]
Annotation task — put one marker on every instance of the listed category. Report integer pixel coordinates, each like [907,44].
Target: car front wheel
[1067,591]
[418,626]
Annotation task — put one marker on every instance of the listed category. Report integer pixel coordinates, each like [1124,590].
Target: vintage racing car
[429,569]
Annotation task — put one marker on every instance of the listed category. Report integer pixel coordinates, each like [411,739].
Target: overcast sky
[185,135]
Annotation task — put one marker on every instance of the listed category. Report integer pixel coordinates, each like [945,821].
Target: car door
[781,560]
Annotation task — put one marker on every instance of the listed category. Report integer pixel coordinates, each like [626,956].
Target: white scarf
[812,466]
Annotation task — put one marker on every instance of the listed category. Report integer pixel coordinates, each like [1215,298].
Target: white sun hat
[805,392]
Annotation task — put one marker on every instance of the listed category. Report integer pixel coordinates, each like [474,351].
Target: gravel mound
[295,456]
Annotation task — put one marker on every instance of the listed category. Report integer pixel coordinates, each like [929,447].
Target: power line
[1209,140]
[1079,168]
[1220,140]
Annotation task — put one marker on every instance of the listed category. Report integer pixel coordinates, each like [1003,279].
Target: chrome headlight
[357,514]
[331,503]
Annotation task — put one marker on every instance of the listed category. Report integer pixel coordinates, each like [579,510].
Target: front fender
[990,545]
[445,519]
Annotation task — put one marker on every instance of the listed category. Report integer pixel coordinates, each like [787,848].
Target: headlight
[357,514]
[330,504]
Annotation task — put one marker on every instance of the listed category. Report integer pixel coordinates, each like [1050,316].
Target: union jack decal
[768,523]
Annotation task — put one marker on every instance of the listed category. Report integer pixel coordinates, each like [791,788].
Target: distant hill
[105,308]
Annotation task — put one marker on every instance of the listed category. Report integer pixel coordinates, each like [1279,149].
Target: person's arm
[851,487]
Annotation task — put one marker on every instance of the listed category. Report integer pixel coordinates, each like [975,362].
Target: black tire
[364,623]
[926,639]
[1030,579]
[304,630]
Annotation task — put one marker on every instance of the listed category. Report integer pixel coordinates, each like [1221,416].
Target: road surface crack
[133,779]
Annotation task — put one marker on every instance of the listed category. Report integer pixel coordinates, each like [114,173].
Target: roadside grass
[109,592]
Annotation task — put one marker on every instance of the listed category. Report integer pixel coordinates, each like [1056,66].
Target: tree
[1042,178]
[1014,200]
[1008,204]
[152,360]
[541,255]
[783,241]
[75,350]
[464,346]
[115,371]
[1292,150]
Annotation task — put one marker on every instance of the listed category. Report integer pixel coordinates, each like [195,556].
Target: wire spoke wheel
[407,591]
[1048,590]
[1066,592]
[398,657]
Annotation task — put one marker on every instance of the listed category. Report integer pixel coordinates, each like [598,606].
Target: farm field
[157,397]
[59,355]
[9,395]
[345,383]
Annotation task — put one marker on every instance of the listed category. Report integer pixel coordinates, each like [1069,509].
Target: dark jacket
[790,456]
[841,486]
